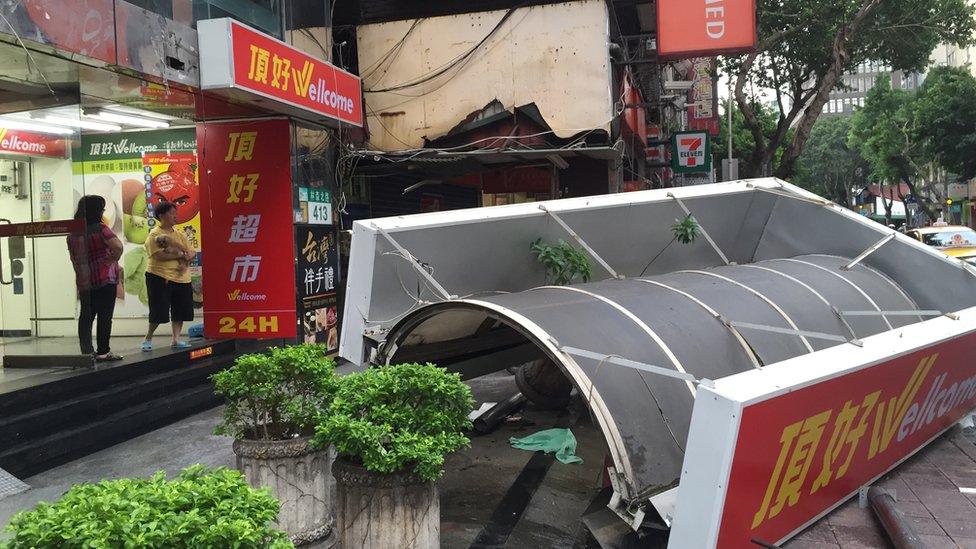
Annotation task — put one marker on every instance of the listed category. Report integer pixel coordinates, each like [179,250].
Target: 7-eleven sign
[691,152]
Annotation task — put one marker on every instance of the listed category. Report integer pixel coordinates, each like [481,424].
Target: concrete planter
[384,511]
[299,477]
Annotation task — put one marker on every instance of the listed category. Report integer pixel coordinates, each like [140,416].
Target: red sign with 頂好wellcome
[246,218]
[703,28]
[274,69]
[800,453]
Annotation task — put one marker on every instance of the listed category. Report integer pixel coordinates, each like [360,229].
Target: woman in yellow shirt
[168,277]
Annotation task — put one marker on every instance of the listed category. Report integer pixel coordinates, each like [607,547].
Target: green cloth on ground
[560,441]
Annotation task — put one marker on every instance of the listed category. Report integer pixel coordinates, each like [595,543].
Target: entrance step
[50,424]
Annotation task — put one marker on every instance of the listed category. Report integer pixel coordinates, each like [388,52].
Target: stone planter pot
[299,477]
[384,511]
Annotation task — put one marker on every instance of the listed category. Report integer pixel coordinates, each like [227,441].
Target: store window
[109,136]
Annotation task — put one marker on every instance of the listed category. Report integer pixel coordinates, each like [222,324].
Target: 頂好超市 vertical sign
[246,191]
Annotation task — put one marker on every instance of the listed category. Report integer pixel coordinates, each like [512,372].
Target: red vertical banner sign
[245,187]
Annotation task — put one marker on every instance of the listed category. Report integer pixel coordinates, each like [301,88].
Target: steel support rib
[758,294]
[416,265]
[703,231]
[745,346]
[581,242]
[846,280]
[814,292]
[884,276]
[871,249]
[640,323]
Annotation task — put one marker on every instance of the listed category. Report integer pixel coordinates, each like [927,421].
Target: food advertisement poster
[318,274]
[134,172]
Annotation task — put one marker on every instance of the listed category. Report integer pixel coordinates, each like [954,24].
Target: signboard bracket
[582,243]
[873,248]
[415,264]
[702,229]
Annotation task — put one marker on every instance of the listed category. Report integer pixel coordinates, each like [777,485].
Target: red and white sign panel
[699,28]
[32,143]
[797,452]
[245,189]
[236,57]
[41,228]
[703,96]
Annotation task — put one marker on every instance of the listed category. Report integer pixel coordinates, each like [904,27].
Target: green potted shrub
[200,508]
[274,400]
[392,427]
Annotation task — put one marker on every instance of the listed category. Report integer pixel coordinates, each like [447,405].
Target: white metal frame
[715,421]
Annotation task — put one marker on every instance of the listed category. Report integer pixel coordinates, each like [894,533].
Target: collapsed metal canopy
[771,279]
[708,324]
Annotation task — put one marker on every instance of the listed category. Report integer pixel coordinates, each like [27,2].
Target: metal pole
[730,124]
[893,521]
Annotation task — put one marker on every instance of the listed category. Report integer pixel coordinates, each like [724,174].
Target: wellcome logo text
[820,449]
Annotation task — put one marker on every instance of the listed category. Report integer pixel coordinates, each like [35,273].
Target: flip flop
[181,345]
[146,346]
[109,357]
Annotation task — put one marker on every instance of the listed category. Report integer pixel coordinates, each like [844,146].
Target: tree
[884,131]
[945,119]
[743,141]
[805,47]
[829,165]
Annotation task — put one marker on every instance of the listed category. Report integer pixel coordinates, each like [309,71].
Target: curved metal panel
[811,313]
[881,290]
[843,279]
[735,303]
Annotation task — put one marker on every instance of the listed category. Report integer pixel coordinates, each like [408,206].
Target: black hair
[164,208]
[90,208]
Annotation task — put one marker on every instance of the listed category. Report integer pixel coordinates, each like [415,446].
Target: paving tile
[902,491]
[859,536]
[937,542]
[928,480]
[913,508]
[808,544]
[926,525]
[819,531]
[940,495]
[965,543]
[850,514]
[960,528]
[951,510]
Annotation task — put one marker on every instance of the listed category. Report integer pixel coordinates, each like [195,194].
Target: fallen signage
[798,438]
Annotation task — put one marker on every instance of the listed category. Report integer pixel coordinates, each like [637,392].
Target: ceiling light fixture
[136,112]
[13,124]
[130,119]
[86,124]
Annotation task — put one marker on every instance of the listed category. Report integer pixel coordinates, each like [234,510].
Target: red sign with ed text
[698,28]
[269,67]
[800,453]
[245,189]
[32,143]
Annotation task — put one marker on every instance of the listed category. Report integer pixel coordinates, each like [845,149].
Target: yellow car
[954,240]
